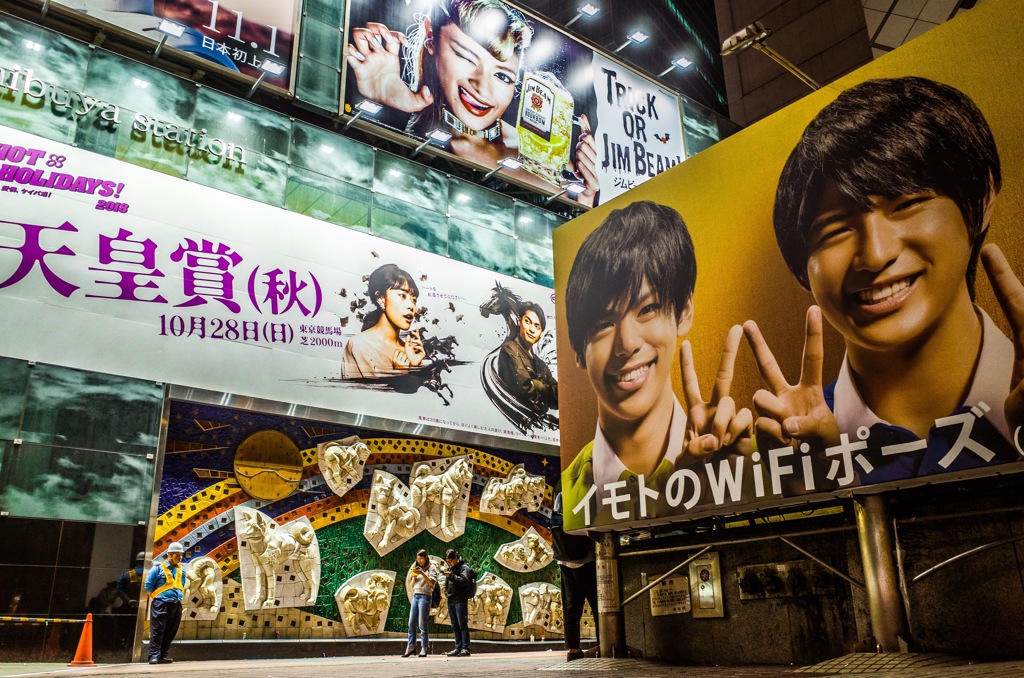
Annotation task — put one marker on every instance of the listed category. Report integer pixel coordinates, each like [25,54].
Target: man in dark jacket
[524,373]
[575,557]
[457,587]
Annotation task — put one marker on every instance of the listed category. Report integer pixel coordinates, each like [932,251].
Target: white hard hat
[141,555]
[175,547]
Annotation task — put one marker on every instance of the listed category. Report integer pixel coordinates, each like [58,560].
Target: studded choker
[490,133]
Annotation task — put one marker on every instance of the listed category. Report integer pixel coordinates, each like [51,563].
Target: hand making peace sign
[715,424]
[1010,294]
[793,411]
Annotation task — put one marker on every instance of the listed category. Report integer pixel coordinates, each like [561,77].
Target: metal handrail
[668,574]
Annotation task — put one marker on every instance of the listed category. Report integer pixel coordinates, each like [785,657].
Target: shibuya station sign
[153,277]
[54,97]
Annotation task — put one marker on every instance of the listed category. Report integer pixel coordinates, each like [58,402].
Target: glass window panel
[97,134]
[695,143]
[129,84]
[411,182]
[700,127]
[71,591]
[321,41]
[98,595]
[153,152]
[489,209]
[29,541]
[726,127]
[13,387]
[535,225]
[50,56]
[700,119]
[51,65]
[535,263]
[244,124]
[71,484]
[480,247]
[332,154]
[76,543]
[328,11]
[260,178]
[27,589]
[318,84]
[92,410]
[404,223]
[327,199]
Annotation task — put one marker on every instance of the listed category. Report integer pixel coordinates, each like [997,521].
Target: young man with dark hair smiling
[629,300]
[881,212]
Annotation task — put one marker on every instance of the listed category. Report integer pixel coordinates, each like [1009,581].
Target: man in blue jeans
[457,586]
[423,578]
[166,586]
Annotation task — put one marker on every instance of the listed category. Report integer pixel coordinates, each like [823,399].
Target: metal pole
[734,542]
[787,64]
[668,574]
[611,636]
[966,554]
[819,561]
[878,554]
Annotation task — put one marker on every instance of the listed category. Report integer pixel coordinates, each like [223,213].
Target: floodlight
[167,29]
[268,67]
[637,37]
[588,10]
[573,189]
[365,106]
[438,137]
[510,164]
[681,62]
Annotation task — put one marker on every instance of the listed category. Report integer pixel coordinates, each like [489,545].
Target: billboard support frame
[876,536]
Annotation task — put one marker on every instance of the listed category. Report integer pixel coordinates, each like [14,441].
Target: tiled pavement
[507,665]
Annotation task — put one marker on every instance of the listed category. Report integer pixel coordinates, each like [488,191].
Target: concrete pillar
[611,624]
[881,575]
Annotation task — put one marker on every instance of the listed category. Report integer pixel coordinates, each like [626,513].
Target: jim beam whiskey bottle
[545,126]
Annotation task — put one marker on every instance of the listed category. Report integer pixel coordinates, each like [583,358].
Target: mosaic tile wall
[199,492]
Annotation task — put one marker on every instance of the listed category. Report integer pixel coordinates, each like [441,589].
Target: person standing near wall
[424,578]
[129,584]
[578,571]
[459,579]
[166,586]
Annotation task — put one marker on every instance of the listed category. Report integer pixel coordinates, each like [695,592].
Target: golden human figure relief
[518,490]
[364,600]
[269,552]
[541,603]
[527,554]
[391,519]
[440,491]
[341,463]
[204,589]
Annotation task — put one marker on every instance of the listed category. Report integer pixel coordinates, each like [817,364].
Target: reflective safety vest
[171,582]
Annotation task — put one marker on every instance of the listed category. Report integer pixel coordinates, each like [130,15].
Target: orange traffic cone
[83,656]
